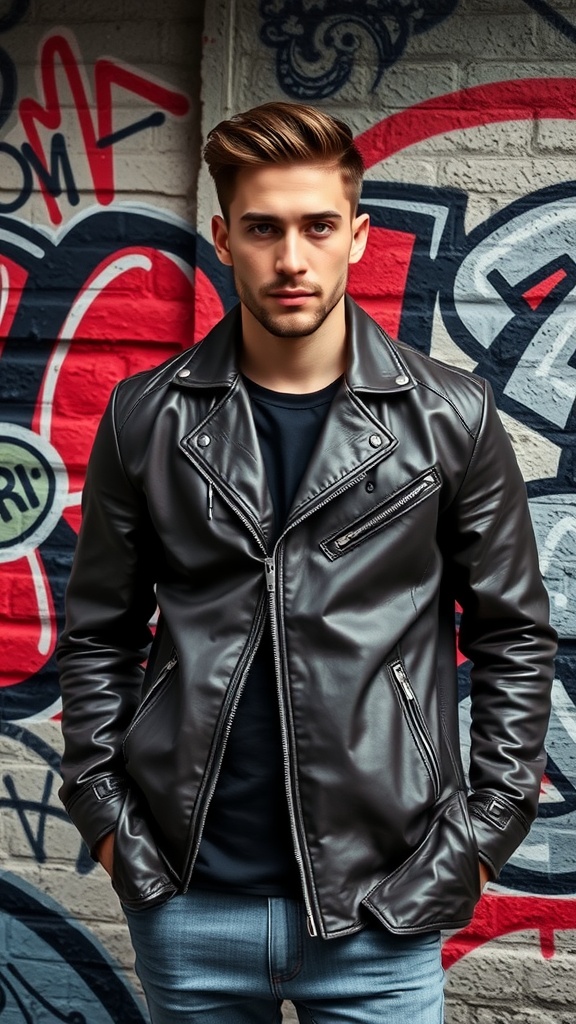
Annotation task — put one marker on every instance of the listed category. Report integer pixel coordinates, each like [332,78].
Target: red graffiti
[96,130]
[516,100]
[498,915]
[124,309]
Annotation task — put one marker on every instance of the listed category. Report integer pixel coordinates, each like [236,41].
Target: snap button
[370,486]
[375,440]
[203,440]
[402,379]
[184,373]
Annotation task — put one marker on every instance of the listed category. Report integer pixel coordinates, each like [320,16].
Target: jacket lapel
[225,445]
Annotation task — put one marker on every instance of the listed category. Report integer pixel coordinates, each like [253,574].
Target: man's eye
[321,228]
[261,229]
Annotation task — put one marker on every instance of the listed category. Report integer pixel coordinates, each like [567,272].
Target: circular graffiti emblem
[33,490]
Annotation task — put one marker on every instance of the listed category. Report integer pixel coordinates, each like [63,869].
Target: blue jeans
[229,959]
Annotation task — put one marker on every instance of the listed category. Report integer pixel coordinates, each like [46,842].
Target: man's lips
[291,296]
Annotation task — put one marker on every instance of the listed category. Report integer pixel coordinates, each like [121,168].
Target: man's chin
[293,325]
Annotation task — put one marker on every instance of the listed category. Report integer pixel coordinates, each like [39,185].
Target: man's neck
[294,365]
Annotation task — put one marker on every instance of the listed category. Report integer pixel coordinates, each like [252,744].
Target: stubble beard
[289,324]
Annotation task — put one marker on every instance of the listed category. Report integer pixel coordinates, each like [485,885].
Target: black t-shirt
[246,845]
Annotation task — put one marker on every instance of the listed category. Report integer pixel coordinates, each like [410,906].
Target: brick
[511,177]
[490,972]
[505,138]
[180,43]
[552,42]
[537,456]
[116,939]
[493,7]
[518,1015]
[551,982]
[556,136]
[69,12]
[481,72]
[88,898]
[487,36]
[403,168]
[455,1011]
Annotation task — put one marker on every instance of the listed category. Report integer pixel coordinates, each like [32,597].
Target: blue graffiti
[317,44]
[52,968]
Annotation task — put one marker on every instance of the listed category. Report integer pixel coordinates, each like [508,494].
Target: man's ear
[360,229]
[220,239]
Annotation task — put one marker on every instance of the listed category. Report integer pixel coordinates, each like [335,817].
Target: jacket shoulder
[210,363]
[461,389]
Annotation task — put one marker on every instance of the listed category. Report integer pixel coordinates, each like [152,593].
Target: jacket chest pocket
[395,505]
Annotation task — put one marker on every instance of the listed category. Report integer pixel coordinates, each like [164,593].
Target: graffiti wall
[465,111]
[99,133]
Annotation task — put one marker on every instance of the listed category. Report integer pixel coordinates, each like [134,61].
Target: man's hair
[281,133]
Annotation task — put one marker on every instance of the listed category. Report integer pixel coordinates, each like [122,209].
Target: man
[279,796]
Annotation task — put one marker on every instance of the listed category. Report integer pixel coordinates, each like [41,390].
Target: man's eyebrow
[270,218]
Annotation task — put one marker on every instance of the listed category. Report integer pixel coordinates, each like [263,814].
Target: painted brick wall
[99,153]
[466,114]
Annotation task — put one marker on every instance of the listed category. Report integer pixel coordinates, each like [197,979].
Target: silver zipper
[347,538]
[296,828]
[212,772]
[417,719]
[151,696]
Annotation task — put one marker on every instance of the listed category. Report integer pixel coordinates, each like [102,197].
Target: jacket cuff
[498,829]
[96,808]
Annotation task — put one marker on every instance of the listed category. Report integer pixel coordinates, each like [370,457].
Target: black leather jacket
[412,499]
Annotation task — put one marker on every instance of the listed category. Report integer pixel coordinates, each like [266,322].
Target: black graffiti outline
[23,807]
[297,31]
[69,1018]
[554,18]
[75,948]
[428,274]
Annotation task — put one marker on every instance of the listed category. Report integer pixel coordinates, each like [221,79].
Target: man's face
[290,239]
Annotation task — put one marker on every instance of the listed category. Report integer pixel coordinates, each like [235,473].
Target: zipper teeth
[321,504]
[219,746]
[151,696]
[346,538]
[414,711]
[290,799]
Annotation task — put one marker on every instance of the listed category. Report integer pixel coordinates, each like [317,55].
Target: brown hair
[281,133]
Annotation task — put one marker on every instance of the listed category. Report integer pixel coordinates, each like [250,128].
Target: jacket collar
[374,363]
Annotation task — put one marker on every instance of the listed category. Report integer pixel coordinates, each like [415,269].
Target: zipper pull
[343,541]
[210,500]
[402,678]
[270,575]
[311,927]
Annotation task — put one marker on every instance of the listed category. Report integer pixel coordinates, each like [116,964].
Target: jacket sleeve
[109,602]
[505,633]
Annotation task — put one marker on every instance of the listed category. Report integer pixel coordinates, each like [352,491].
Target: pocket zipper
[151,696]
[416,720]
[429,483]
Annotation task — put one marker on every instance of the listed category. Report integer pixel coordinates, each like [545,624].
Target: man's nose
[290,255]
